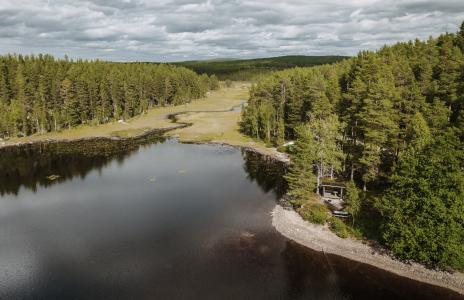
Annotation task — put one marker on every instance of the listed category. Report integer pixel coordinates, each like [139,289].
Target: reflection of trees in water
[29,165]
[267,172]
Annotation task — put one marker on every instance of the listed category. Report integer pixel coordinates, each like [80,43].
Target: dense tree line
[390,121]
[249,69]
[41,93]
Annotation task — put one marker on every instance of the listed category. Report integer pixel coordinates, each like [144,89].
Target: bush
[314,213]
[339,228]
[297,202]
[282,149]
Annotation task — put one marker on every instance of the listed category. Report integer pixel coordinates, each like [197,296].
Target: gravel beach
[320,238]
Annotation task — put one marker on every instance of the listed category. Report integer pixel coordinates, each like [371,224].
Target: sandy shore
[320,238]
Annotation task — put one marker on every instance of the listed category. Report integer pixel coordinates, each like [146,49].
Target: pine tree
[418,134]
[328,153]
[300,176]
[447,74]
[375,93]
[353,200]
[266,120]
[460,37]
[72,112]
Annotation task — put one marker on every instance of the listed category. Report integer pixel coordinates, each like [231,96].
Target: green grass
[316,213]
[128,133]
[339,227]
[155,118]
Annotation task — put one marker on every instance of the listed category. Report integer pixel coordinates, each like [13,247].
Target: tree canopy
[41,93]
[390,122]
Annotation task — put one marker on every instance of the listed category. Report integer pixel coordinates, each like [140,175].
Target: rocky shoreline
[290,224]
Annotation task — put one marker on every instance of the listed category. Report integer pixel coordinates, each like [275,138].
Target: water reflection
[201,230]
[265,171]
[31,165]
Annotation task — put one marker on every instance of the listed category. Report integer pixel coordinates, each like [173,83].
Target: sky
[176,30]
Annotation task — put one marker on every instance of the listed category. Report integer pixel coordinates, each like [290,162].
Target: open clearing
[212,120]
[222,99]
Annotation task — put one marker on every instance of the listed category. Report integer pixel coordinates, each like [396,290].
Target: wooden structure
[332,194]
[340,214]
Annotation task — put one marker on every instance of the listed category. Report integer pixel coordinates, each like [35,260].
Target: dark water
[162,221]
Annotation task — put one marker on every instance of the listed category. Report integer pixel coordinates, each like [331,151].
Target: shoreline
[94,138]
[319,238]
[288,222]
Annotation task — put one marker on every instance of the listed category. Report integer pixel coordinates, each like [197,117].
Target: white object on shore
[123,122]
[289,143]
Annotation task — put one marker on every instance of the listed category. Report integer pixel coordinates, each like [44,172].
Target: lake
[157,219]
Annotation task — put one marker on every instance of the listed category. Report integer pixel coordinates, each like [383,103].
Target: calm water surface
[162,221]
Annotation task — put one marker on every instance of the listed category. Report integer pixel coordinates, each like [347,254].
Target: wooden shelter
[332,194]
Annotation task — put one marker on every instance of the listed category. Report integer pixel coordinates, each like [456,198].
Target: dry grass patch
[155,118]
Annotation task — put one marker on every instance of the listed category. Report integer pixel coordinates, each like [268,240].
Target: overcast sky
[172,30]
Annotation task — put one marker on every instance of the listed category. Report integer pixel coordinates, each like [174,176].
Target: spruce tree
[300,176]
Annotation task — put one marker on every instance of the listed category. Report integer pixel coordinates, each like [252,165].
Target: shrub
[339,228]
[282,149]
[297,202]
[314,213]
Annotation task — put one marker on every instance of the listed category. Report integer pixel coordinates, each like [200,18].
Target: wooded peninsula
[390,124]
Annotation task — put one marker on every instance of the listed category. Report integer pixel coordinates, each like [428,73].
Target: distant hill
[245,69]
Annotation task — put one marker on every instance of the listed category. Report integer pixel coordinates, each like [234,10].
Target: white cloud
[166,30]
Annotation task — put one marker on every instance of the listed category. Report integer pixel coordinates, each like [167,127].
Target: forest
[390,125]
[40,93]
[250,69]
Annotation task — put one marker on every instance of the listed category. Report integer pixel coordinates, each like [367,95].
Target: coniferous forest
[249,69]
[246,149]
[40,93]
[390,123]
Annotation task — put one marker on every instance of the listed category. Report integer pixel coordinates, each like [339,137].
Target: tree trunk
[268,131]
[449,112]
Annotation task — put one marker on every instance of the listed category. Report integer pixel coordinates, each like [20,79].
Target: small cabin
[332,194]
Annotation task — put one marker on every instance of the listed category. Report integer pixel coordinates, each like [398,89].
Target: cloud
[168,30]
